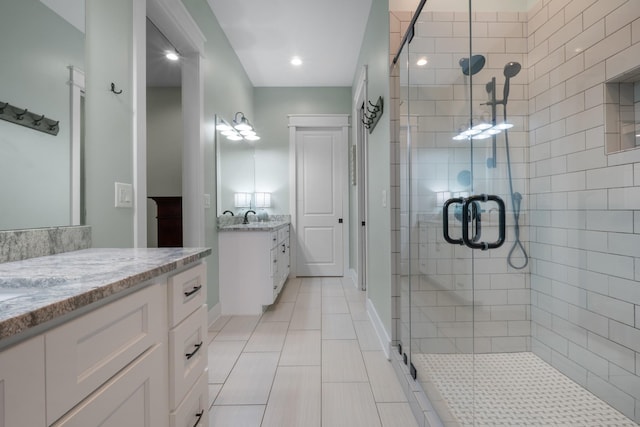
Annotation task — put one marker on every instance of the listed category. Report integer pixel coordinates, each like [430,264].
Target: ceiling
[266,34]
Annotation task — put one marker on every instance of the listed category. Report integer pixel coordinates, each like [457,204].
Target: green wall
[227,89]
[375,54]
[272,107]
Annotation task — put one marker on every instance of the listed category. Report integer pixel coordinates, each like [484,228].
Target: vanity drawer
[187,293]
[187,354]
[84,353]
[283,234]
[194,409]
[273,238]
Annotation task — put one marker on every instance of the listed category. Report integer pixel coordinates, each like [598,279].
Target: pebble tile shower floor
[511,389]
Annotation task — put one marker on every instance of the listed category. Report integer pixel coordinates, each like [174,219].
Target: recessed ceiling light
[422,62]
[296,60]
[172,56]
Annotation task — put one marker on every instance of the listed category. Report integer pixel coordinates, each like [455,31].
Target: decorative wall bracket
[372,115]
[23,117]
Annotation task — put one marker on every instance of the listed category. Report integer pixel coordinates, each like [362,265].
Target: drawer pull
[193,291]
[193,353]
[284,248]
[199,417]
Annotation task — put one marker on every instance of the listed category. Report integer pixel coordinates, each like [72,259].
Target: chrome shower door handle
[475,214]
[445,220]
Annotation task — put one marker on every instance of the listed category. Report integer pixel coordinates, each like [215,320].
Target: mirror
[236,172]
[38,47]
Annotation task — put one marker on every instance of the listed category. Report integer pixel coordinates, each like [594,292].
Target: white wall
[585,275]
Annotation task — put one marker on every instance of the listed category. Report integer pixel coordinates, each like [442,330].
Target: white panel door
[319,202]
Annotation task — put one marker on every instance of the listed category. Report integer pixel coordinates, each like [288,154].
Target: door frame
[318,121]
[360,139]
[175,22]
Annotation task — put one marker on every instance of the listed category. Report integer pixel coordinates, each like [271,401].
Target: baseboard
[214,314]
[353,275]
[383,336]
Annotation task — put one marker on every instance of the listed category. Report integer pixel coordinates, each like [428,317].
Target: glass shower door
[453,211]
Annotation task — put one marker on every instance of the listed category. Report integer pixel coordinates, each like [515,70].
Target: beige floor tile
[219,323]
[334,305]
[354,294]
[301,348]
[290,290]
[295,398]
[332,287]
[238,328]
[268,336]
[310,284]
[306,318]
[358,311]
[245,416]
[250,380]
[222,357]
[337,327]
[348,405]
[383,379]
[342,362]
[280,312]
[214,389]
[367,337]
[309,300]
[396,414]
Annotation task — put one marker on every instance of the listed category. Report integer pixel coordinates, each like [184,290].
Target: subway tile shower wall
[584,220]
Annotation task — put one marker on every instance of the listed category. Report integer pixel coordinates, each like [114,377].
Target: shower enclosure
[495,330]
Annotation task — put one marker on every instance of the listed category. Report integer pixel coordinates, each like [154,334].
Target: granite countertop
[37,290]
[254,226]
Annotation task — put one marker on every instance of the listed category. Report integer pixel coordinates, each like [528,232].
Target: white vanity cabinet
[188,390]
[139,360]
[254,265]
[22,384]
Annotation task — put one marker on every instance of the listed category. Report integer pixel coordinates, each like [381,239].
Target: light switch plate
[124,195]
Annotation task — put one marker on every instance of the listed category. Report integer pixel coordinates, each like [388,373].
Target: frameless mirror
[235,172]
[39,40]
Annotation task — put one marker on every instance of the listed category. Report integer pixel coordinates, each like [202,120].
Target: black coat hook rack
[113,89]
[24,117]
[373,114]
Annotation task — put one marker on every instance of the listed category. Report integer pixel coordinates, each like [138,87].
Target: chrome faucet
[246,214]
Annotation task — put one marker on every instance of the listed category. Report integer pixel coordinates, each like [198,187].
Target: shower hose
[516,201]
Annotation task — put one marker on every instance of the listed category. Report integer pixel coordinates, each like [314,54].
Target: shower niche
[622,113]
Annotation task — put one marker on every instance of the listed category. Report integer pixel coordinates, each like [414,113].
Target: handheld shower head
[510,70]
[471,66]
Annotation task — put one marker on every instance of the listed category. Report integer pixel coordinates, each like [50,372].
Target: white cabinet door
[131,398]
[84,353]
[22,385]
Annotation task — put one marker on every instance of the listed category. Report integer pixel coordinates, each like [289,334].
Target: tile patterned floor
[312,360]
[511,389]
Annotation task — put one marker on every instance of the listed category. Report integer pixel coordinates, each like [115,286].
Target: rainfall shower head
[510,70]
[471,66]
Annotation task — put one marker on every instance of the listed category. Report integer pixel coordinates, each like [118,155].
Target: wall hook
[3,107]
[36,121]
[113,89]
[53,125]
[20,116]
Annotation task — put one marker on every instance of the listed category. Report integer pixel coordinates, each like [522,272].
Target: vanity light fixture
[172,56]
[262,200]
[296,61]
[242,200]
[241,129]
